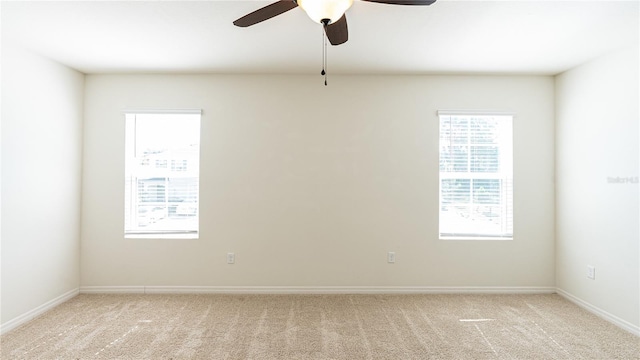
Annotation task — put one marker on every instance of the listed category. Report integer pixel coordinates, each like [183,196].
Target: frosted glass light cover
[325,9]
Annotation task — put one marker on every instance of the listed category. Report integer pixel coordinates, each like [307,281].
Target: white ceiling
[511,37]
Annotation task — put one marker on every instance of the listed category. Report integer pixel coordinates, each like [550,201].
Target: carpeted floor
[318,327]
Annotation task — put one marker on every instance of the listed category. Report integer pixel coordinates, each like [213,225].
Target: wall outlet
[391,257]
[591,272]
[231,258]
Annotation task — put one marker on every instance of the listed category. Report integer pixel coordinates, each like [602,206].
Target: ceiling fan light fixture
[319,10]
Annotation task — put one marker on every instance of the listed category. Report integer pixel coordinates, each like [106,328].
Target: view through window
[476,176]
[162,169]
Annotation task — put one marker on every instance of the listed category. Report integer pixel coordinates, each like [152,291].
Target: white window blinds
[476,176]
[162,170]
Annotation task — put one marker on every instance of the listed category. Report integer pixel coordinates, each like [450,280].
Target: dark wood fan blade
[337,32]
[266,13]
[401,2]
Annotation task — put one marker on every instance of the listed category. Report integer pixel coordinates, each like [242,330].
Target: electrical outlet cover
[391,257]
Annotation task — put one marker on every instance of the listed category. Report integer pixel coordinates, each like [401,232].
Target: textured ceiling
[510,37]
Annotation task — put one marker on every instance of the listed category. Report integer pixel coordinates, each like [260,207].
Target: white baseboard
[313,290]
[112,290]
[634,329]
[15,322]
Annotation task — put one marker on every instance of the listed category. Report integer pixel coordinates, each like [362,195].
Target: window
[476,176]
[162,170]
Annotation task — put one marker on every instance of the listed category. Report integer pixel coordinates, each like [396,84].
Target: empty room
[329,179]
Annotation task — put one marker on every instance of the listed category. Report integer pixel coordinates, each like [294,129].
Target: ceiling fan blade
[266,13]
[401,2]
[337,32]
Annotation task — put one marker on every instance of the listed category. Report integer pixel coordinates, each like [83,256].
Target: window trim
[449,112]
[178,234]
[162,111]
[473,112]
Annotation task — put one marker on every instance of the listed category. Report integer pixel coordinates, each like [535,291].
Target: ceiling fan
[329,13]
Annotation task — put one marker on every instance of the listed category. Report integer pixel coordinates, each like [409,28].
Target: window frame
[166,233]
[479,175]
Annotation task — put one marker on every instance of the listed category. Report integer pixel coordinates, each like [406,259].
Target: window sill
[162,236]
[470,238]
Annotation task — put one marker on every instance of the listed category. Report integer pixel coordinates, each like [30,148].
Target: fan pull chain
[324,57]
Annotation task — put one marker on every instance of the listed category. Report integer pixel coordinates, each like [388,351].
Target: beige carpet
[318,327]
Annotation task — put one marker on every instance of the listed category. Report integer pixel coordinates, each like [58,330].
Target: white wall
[597,221]
[41,162]
[312,185]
